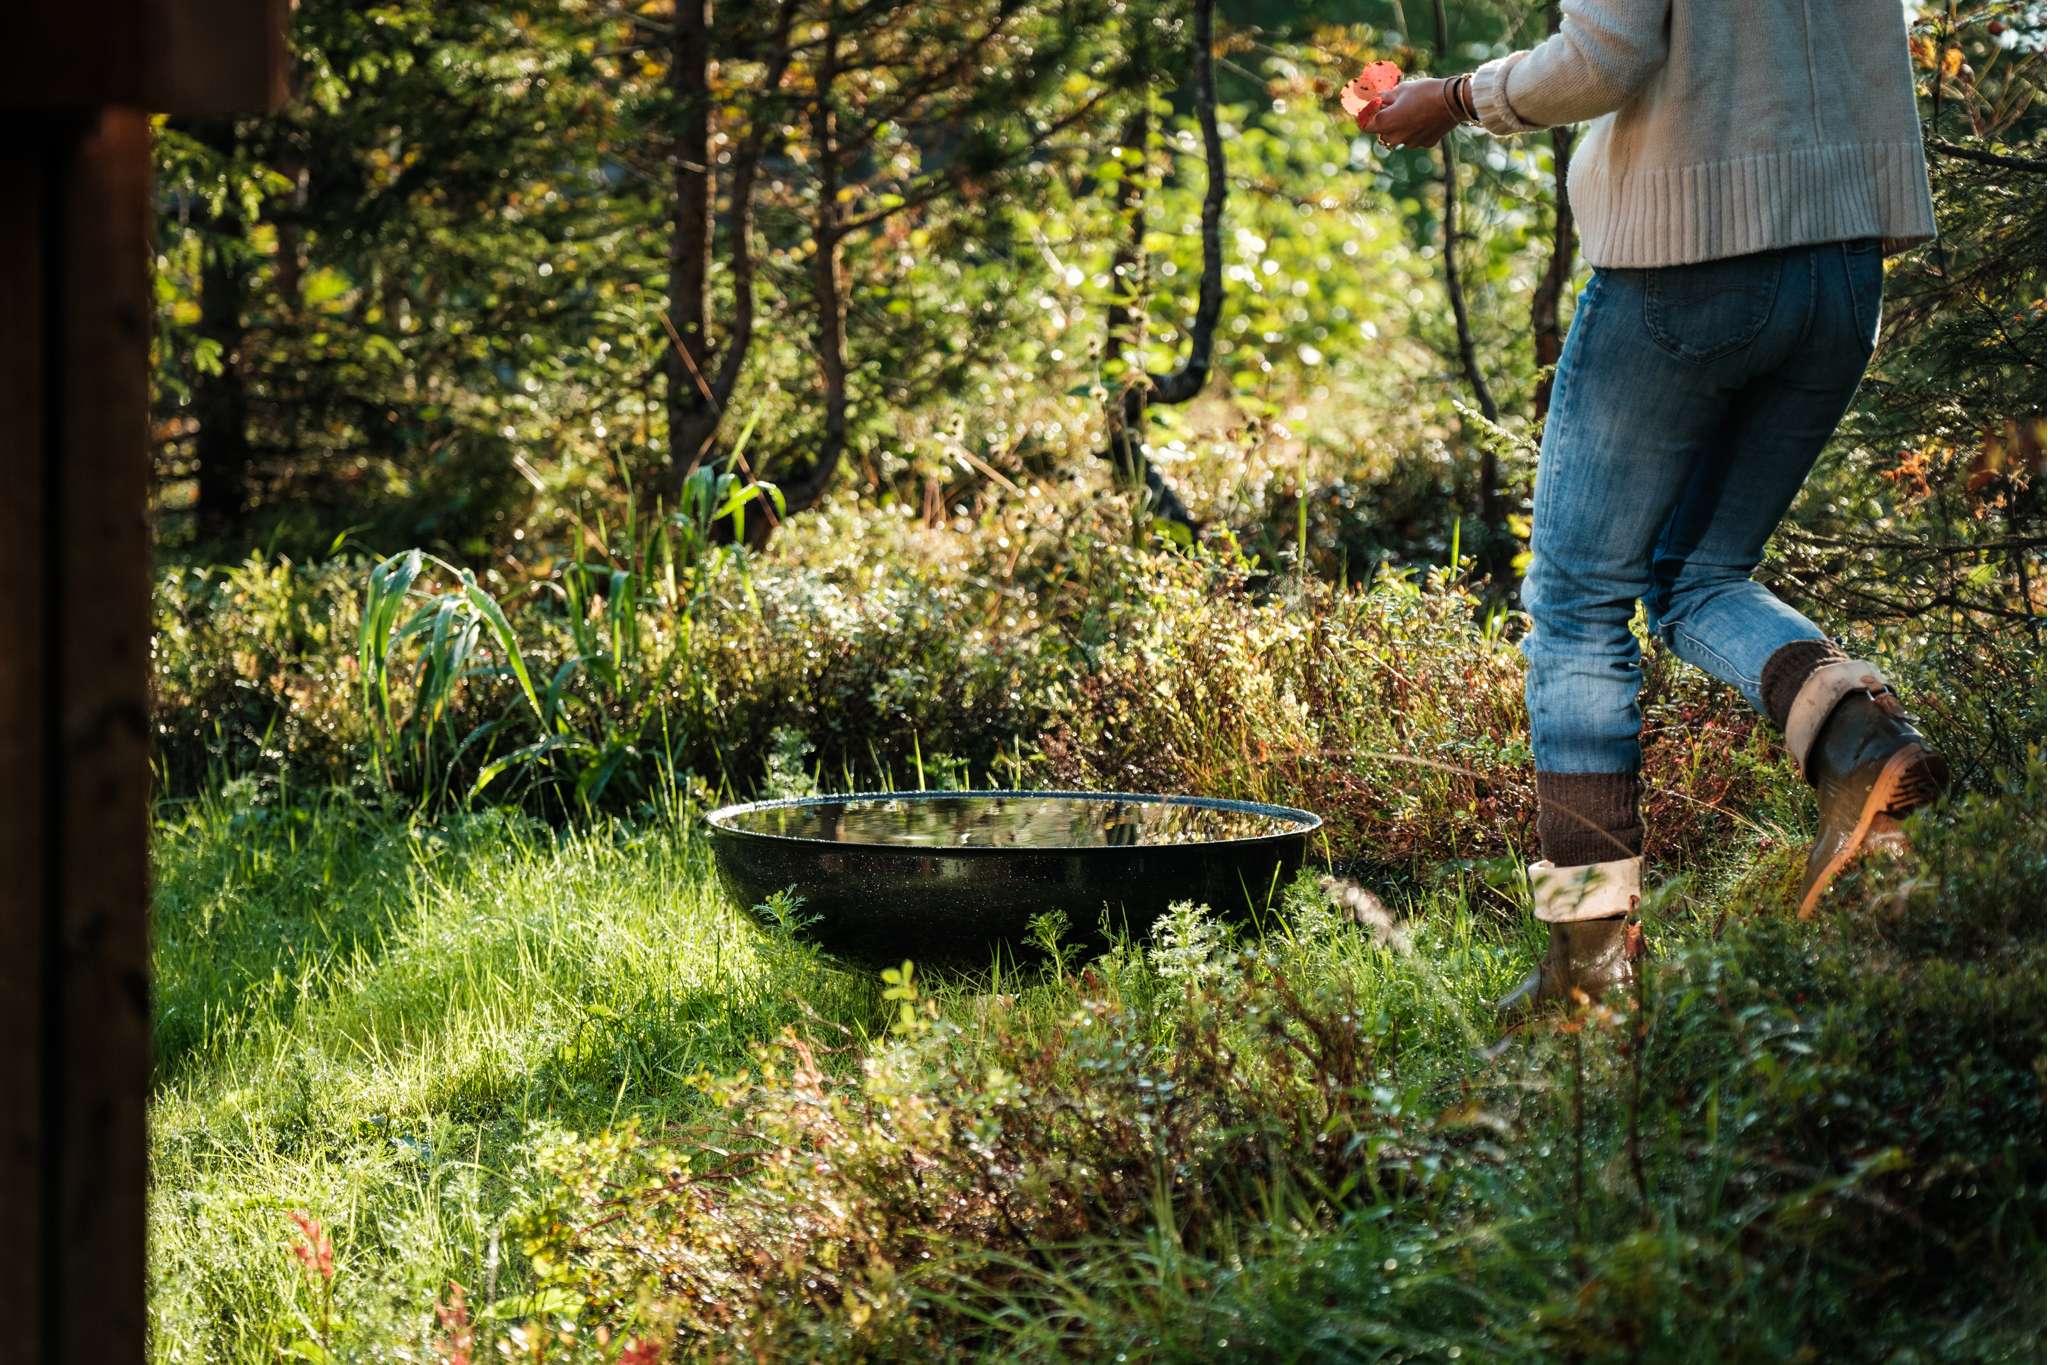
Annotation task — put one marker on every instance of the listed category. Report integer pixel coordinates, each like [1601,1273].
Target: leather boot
[1594,936]
[1868,765]
[1591,955]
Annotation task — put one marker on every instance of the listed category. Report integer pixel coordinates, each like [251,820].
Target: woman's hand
[1415,115]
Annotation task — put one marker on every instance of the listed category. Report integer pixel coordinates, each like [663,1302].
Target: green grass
[421,1033]
[361,1017]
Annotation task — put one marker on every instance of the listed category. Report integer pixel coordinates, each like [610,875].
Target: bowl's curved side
[879,904]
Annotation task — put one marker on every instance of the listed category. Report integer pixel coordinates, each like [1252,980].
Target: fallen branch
[1984,158]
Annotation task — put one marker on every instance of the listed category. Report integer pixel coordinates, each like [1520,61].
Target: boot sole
[1913,777]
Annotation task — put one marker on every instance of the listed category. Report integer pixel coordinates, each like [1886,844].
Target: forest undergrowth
[464,1081]
[549,1094]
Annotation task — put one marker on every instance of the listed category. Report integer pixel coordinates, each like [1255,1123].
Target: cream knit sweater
[1723,127]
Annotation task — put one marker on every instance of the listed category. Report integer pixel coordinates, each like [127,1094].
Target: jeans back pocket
[1712,309]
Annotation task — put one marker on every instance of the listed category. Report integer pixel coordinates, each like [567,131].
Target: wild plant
[589,720]
[313,1249]
[254,669]
[446,629]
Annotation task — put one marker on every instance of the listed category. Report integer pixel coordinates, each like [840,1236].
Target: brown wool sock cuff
[1787,670]
[1584,818]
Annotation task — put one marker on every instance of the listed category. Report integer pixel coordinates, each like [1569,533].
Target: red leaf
[1364,96]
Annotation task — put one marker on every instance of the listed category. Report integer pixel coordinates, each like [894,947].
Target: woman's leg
[1635,418]
[1703,604]
[1651,366]
[1848,732]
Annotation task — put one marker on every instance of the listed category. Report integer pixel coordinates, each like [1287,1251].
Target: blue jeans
[1689,405]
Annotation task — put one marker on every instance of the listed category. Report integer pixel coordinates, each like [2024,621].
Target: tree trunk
[1139,392]
[290,261]
[1187,380]
[220,398]
[746,166]
[828,289]
[1544,325]
[804,489]
[1493,560]
[697,412]
[692,413]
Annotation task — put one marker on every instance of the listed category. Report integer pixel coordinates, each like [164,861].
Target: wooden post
[75,310]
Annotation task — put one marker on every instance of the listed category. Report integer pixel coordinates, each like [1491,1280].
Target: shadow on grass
[256,898]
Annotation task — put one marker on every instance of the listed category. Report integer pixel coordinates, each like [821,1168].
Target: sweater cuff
[1490,98]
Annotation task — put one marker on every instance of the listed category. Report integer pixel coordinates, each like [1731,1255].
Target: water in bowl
[1009,822]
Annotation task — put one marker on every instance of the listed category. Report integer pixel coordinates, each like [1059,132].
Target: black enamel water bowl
[954,879]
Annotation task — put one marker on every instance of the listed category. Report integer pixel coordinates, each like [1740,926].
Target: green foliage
[255,669]
[447,628]
[447,254]
[1926,519]
[654,664]
[395,264]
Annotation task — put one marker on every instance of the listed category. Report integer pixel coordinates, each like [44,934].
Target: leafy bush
[634,687]
[255,669]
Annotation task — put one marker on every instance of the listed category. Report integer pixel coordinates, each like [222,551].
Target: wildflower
[313,1250]
[458,1333]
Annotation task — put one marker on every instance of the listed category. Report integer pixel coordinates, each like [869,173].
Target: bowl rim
[1305,822]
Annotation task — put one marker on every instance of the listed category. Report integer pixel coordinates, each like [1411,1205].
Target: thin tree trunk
[220,399]
[1454,288]
[290,262]
[1187,380]
[739,245]
[829,295]
[1127,410]
[688,400]
[1544,324]
[1468,355]
[694,426]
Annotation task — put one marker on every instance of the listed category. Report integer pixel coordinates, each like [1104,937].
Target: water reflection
[1008,822]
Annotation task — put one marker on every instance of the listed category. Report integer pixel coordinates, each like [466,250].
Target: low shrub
[1394,711]
[860,1210]
[254,669]
[636,694]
